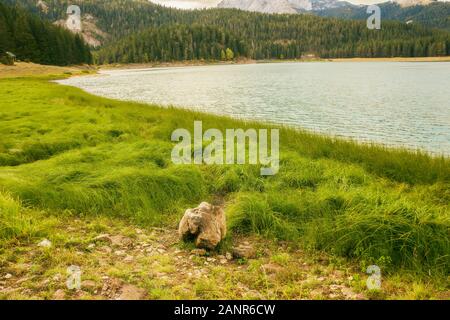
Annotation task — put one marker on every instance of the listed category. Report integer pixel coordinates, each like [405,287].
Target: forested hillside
[259,36]
[117,18]
[139,31]
[179,42]
[434,15]
[31,39]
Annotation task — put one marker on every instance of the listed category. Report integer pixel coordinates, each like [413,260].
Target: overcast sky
[189,4]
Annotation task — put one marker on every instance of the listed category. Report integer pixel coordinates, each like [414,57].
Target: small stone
[119,253]
[105,249]
[335,287]
[210,259]
[45,243]
[359,296]
[120,241]
[320,279]
[130,292]
[316,293]
[88,284]
[103,237]
[348,293]
[199,252]
[271,268]
[223,261]
[59,294]
[229,256]
[20,281]
[45,283]
[91,246]
[244,251]
[333,296]
[128,259]
[8,276]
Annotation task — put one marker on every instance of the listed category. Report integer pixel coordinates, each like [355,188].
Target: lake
[394,103]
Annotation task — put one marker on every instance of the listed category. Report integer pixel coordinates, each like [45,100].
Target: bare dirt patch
[123,262]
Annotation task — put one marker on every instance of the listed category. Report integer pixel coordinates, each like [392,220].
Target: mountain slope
[430,13]
[257,36]
[434,15]
[104,15]
[261,36]
[283,6]
[264,6]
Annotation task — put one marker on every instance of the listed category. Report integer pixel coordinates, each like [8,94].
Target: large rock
[205,224]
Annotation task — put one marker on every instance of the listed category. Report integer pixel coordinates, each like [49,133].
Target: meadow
[65,153]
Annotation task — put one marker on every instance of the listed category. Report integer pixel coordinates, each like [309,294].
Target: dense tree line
[139,31]
[32,39]
[260,36]
[118,18]
[178,42]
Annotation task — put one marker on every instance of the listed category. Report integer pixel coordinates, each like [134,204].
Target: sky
[191,4]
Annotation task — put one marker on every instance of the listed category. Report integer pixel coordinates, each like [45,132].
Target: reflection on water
[394,103]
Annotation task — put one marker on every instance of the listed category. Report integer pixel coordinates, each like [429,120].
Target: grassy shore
[24,69]
[66,155]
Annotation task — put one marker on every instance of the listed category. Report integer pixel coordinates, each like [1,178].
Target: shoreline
[29,69]
[342,138]
[199,63]
[26,69]
[282,126]
[394,59]
[65,72]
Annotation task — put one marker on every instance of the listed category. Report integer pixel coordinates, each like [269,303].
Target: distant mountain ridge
[433,15]
[282,6]
[430,13]
[279,6]
[264,6]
